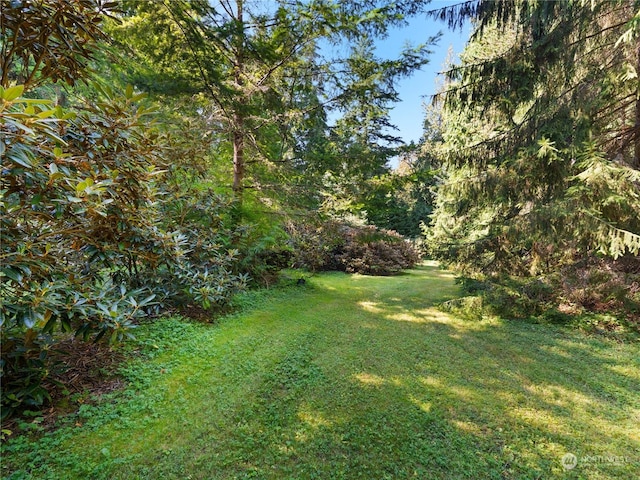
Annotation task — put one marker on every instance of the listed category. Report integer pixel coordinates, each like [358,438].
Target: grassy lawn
[355,377]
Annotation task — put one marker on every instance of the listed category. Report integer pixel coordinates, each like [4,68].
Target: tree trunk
[238,159]
[238,116]
[636,130]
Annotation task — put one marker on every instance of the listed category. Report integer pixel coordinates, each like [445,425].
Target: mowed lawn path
[356,377]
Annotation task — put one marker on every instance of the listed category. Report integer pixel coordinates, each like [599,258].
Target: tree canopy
[542,136]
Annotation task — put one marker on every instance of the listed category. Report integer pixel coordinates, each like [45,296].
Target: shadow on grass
[361,377]
[399,391]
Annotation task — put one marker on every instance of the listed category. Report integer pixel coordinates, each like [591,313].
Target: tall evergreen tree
[541,136]
[363,138]
[260,66]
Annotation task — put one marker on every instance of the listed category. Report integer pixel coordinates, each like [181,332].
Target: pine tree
[258,63]
[541,136]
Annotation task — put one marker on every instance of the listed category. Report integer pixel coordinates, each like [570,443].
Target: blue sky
[414,91]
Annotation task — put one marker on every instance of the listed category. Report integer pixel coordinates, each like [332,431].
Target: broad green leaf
[50,325]
[22,126]
[36,101]
[11,273]
[147,300]
[46,113]
[83,185]
[65,325]
[12,93]
[55,176]
[21,158]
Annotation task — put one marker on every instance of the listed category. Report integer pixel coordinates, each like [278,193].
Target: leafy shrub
[74,190]
[99,309]
[316,245]
[365,249]
[510,297]
[371,251]
[89,244]
[604,292]
[76,187]
[263,252]
[468,308]
[603,286]
[196,264]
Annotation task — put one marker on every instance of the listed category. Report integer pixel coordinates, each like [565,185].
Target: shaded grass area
[355,377]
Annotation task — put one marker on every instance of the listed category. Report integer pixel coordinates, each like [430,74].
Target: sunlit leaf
[12,93]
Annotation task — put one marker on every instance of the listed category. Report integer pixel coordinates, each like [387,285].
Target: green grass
[355,377]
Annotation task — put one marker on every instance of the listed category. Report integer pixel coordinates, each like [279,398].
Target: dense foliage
[542,142]
[352,248]
[169,154]
[90,241]
[152,153]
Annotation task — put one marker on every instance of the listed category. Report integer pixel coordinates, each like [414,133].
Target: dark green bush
[89,245]
[604,286]
[315,246]
[263,252]
[371,251]
[469,308]
[76,191]
[593,289]
[511,297]
[196,263]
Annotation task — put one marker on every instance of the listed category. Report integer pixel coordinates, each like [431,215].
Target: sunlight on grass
[422,405]
[626,370]
[468,427]
[358,377]
[314,419]
[369,379]
[428,315]
[431,382]
[371,307]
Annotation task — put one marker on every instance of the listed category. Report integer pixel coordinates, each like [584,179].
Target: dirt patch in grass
[81,372]
[85,368]
[195,312]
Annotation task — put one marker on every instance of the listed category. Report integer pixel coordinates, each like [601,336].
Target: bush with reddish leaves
[367,250]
